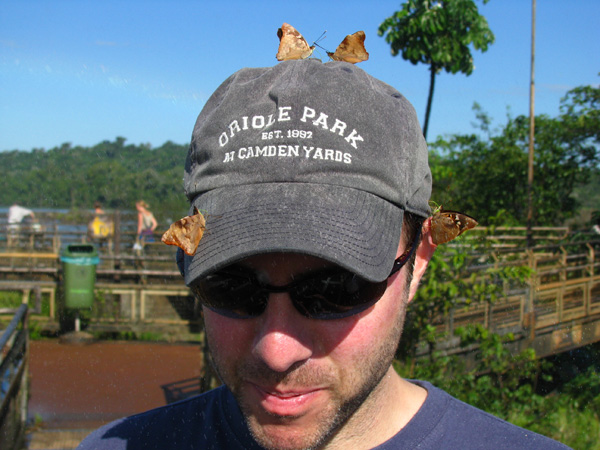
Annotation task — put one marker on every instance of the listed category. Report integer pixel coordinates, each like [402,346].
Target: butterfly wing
[447,225]
[292,44]
[352,49]
[186,233]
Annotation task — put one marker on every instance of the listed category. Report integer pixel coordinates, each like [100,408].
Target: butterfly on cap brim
[352,49]
[186,233]
[447,225]
[292,44]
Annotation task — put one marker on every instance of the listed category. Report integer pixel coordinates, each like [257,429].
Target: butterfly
[352,49]
[186,233]
[292,44]
[447,225]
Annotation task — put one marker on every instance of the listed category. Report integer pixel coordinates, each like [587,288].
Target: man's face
[299,380]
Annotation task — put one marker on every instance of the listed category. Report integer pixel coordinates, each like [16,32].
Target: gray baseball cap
[309,157]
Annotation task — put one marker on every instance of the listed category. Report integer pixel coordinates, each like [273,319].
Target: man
[315,181]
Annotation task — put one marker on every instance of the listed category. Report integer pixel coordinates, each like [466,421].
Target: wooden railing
[132,288]
[556,310]
[13,381]
[49,233]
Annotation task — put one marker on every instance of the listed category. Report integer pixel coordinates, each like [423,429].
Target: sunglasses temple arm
[399,263]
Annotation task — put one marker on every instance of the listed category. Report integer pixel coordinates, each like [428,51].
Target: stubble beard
[341,407]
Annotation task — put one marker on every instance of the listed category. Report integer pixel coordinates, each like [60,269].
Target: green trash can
[79,275]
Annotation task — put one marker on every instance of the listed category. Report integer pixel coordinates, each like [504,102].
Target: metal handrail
[14,372]
[12,326]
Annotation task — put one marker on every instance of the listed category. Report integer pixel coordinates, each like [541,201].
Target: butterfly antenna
[322,48]
[319,39]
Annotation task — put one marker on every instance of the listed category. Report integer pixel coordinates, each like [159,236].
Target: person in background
[146,222]
[17,213]
[101,228]
[16,216]
[98,211]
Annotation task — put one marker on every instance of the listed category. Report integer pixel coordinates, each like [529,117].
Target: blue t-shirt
[214,421]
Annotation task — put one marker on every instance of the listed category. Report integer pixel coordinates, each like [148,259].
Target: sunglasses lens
[325,295]
[336,295]
[231,295]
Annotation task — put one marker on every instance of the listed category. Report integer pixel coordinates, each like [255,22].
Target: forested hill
[483,174]
[113,173]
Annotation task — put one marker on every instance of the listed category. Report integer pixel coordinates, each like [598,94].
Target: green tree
[437,33]
[580,110]
[116,173]
[487,175]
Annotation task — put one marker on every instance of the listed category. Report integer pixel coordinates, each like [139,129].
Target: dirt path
[84,386]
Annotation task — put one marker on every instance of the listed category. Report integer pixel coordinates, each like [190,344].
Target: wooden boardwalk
[557,310]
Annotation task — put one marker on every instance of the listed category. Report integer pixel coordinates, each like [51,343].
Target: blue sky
[87,71]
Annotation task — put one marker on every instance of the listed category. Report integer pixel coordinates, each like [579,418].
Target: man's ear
[424,252]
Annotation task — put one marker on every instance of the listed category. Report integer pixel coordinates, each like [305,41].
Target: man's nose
[282,337]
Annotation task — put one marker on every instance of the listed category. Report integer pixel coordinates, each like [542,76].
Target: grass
[561,418]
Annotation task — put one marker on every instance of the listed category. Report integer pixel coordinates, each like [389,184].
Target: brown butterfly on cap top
[352,49]
[292,44]
[447,225]
[186,233]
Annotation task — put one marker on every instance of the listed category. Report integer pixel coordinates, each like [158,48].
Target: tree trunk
[433,70]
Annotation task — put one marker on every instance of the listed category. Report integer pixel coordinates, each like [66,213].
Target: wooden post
[530,242]
[56,239]
[117,243]
[529,308]
[590,273]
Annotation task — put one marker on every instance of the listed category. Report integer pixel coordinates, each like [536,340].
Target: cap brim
[348,227]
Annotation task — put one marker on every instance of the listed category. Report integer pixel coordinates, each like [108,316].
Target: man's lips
[286,402]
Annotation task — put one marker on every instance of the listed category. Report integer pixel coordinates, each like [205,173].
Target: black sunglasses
[328,294]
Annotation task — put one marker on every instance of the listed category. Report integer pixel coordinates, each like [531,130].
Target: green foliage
[146,336]
[113,173]
[570,415]
[580,109]
[13,299]
[500,381]
[437,33]
[505,385]
[451,282]
[588,196]
[489,175]
[492,377]
[10,299]
[497,382]
[35,330]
